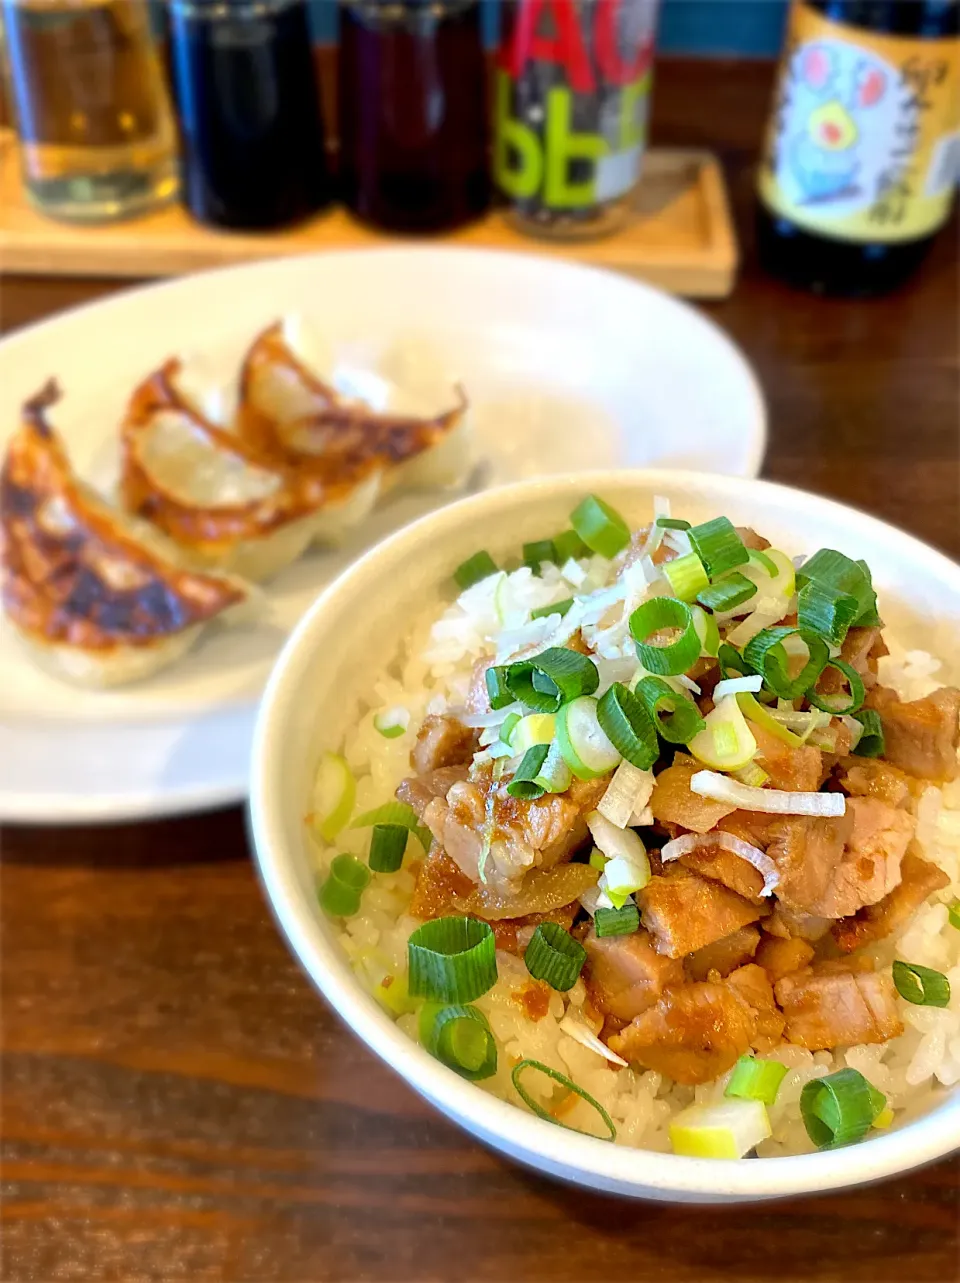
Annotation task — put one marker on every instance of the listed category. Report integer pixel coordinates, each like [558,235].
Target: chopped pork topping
[861,649]
[796,769]
[779,957]
[723,956]
[439,882]
[753,985]
[683,912]
[419,791]
[443,741]
[870,777]
[835,1005]
[919,880]
[870,866]
[920,737]
[626,975]
[525,834]
[674,801]
[806,850]
[727,868]
[694,1033]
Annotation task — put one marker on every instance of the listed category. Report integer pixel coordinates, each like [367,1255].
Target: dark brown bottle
[863,151]
[413,113]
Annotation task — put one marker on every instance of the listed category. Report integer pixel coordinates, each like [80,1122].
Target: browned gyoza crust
[344,437]
[191,524]
[71,573]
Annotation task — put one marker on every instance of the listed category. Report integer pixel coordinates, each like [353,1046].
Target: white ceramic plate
[567,368]
[355,627]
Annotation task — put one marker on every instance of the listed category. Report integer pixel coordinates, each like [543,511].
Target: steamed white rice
[431,673]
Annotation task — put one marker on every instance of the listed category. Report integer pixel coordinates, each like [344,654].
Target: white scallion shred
[771,801]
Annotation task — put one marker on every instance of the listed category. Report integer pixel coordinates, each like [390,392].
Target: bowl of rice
[619,813]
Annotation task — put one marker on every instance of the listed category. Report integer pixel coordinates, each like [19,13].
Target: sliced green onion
[922,986]
[524,783]
[557,608]
[732,661]
[628,726]
[766,654]
[392,723]
[756,1080]
[597,859]
[872,742]
[686,576]
[569,544]
[839,703]
[340,893]
[727,1129]
[759,558]
[395,813]
[499,693]
[617,922]
[726,742]
[718,546]
[552,678]
[387,845]
[600,527]
[652,617]
[570,1085]
[535,728]
[554,957]
[838,1109]
[554,775]
[834,571]
[538,551]
[753,775]
[676,717]
[334,794]
[953,913]
[672,523]
[452,960]
[754,711]
[727,593]
[707,631]
[480,566]
[583,742]
[828,612]
[508,726]
[459,1037]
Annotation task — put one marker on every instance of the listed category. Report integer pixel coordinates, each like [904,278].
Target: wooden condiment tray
[681,239]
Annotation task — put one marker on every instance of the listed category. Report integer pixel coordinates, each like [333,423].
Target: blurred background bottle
[572,94]
[863,148]
[249,104]
[413,113]
[92,111]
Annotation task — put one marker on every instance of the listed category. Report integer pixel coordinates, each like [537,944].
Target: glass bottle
[250,116]
[97,137]
[413,114]
[863,147]
[572,92]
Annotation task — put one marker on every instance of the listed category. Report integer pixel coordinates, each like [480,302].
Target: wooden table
[177,1102]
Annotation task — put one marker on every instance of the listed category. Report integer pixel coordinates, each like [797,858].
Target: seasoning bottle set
[571,86]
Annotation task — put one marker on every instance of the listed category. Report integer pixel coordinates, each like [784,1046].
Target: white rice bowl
[428,670]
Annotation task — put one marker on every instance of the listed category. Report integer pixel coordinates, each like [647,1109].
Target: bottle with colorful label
[862,154]
[571,94]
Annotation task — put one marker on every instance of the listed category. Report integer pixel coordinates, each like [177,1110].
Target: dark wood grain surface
[178,1104]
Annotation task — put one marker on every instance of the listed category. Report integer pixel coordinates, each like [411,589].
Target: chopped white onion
[573,572]
[687,683]
[752,854]
[628,792]
[477,721]
[771,801]
[767,612]
[733,685]
[640,818]
[581,1034]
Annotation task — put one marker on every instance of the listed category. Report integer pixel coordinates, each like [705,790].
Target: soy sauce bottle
[413,113]
[863,150]
[250,116]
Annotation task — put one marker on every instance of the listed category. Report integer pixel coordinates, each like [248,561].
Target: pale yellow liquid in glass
[93,115]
